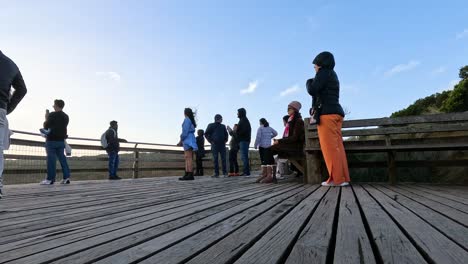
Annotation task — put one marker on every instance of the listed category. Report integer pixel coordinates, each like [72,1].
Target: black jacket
[234,143]
[201,146]
[244,130]
[10,76]
[57,122]
[325,87]
[216,134]
[113,141]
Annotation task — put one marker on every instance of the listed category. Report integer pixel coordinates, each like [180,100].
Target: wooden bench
[435,132]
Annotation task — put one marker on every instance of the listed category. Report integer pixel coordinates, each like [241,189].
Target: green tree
[464,73]
[458,98]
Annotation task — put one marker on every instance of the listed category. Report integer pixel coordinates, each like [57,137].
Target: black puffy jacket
[325,87]
[244,130]
[10,76]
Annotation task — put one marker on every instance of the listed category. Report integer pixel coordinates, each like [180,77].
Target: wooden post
[313,174]
[135,162]
[392,175]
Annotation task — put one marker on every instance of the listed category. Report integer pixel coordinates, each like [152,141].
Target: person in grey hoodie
[10,76]
[263,142]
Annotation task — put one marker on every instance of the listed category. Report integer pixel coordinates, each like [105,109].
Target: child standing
[233,150]
[200,153]
[263,142]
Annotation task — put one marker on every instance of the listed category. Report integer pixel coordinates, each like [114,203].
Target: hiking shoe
[114,178]
[46,182]
[215,176]
[65,181]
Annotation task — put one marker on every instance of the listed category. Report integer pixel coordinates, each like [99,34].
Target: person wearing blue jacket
[189,143]
[216,133]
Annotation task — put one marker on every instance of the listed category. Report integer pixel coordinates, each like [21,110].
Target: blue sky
[143,62]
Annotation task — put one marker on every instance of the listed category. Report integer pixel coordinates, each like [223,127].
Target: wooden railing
[427,133]
[25,161]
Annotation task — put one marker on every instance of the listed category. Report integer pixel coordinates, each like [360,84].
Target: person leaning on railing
[10,75]
[328,114]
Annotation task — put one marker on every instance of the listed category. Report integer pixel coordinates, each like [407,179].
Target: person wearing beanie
[293,136]
[328,113]
[217,135]
[244,132]
[188,141]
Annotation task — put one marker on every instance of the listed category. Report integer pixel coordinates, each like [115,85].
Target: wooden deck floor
[232,221]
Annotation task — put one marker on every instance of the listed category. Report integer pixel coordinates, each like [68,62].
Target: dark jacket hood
[242,112]
[325,60]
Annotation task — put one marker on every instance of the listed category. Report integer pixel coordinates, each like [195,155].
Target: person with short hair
[113,148]
[216,133]
[200,153]
[57,122]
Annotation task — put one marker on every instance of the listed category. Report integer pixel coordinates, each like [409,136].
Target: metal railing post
[136,157]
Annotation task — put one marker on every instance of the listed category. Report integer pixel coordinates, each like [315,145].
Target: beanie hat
[296,105]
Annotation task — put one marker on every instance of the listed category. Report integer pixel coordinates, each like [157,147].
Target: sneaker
[231,174]
[246,175]
[225,175]
[65,181]
[327,184]
[279,177]
[344,184]
[215,176]
[114,178]
[46,182]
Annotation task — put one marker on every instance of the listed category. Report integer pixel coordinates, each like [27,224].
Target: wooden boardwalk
[232,220]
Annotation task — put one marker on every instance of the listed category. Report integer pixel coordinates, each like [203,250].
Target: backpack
[104,143]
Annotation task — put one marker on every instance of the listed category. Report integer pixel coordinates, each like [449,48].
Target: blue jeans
[55,149]
[219,149]
[113,163]
[244,153]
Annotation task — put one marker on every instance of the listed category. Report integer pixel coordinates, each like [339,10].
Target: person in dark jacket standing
[57,123]
[10,76]
[217,135]
[244,132]
[329,115]
[233,150]
[200,153]
[113,148]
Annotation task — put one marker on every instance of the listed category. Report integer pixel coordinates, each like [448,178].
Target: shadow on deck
[232,220]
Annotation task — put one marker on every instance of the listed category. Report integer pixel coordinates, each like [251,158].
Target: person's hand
[179,144]
[255,147]
[275,142]
[47,113]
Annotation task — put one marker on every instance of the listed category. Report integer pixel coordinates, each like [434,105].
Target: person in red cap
[293,138]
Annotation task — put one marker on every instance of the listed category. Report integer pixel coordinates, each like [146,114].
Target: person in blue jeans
[112,149]
[57,122]
[244,133]
[216,133]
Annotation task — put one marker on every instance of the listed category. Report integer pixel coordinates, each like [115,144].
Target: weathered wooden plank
[448,196]
[273,246]
[448,227]
[352,244]
[436,247]
[161,242]
[392,244]
[231,247]
[449,202]
[457,191]
[182,251]
[315,241]
[443,209]
[70,244]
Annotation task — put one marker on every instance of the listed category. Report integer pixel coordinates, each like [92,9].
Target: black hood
[242,113]
[325,60]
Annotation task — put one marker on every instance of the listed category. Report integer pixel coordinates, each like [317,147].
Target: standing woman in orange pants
[328,114]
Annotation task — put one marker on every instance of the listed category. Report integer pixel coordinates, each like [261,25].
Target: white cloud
[462,34]
[109,75]
[439,70]
[251,88]
[402,68]
[290,90]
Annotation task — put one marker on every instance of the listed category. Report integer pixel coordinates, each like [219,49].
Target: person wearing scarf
[329,115]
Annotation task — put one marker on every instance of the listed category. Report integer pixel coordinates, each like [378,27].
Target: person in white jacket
[265,134]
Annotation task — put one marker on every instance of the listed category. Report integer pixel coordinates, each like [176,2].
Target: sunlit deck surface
[232,220]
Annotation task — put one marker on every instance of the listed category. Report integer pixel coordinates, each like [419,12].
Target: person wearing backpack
[110,141]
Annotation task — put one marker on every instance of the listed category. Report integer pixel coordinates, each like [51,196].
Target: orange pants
[331,143]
